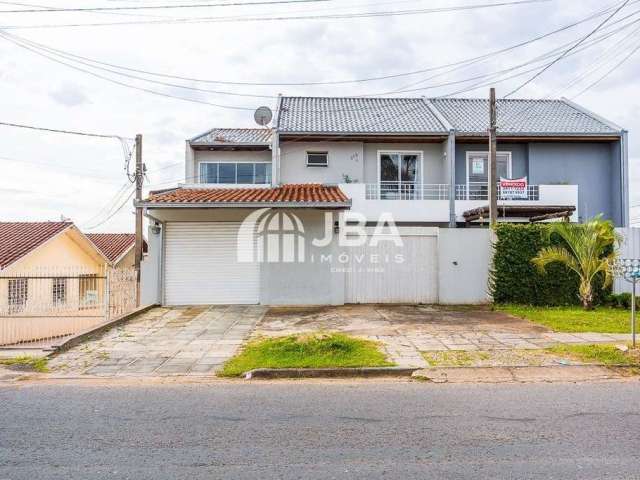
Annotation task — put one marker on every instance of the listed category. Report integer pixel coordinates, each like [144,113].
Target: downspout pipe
[451,157]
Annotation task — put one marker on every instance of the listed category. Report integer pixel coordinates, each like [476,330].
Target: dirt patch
[493,358]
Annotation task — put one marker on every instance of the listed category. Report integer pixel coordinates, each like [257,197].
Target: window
[238,173]
[399,174]
[59,291]
[17,294]
[88,293]
[317,159]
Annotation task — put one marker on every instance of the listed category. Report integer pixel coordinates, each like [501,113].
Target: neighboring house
[423,161]
[46,265]
[117,247]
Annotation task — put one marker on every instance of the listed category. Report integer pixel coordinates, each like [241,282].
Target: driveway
[407,330]
[162,342]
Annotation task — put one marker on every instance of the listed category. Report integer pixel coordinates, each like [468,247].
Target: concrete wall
[357,160]
[345,158]
[588,165]
[312,282]
[629,249]
[151,270]
[464,258]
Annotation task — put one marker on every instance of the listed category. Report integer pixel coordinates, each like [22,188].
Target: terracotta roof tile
[112,245]
[19,238]
[291,193]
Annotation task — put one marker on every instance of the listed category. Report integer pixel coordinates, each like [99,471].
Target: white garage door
[201,266]
[375,274]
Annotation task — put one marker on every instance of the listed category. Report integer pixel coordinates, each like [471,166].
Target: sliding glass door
[399,175]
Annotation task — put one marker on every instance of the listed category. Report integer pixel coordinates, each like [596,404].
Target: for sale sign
[513,188]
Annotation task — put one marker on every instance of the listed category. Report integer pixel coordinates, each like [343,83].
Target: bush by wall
[514,279]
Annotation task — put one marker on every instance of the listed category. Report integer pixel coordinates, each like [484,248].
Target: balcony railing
[406,191]
[480,191]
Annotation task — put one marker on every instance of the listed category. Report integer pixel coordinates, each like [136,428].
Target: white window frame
[236,163]
[317,152]
[480,152]
[419,153]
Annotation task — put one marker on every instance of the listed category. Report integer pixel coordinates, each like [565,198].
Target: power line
[70,132]
[124,84]
[609,72]
[335,82]
[37,48]
[337,16]
[112,214]
[158,7]
[566,52]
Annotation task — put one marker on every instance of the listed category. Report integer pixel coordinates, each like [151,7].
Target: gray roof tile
[357,115]
[518,117]
[235,136]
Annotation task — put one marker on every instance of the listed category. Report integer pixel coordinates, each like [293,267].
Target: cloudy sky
[46,175]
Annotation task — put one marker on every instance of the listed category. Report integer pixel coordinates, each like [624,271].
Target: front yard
[306,351]
[573,319]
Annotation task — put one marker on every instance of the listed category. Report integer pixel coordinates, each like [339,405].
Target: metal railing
[406,191]
[480,191]
[45,303]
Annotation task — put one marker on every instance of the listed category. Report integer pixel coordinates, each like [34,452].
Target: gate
[390,273]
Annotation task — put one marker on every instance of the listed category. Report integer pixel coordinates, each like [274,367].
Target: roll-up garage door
[201,266]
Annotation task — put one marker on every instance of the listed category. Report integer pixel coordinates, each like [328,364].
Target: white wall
[629,248]
[434,164]
[345,158]
[401,210]
[150,270]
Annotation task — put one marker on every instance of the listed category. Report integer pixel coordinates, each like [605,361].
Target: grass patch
[38,364]
[573,319]
[601,353]
[309,351]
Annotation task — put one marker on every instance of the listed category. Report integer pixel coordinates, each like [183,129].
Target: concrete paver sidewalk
[407,330]
[162,342]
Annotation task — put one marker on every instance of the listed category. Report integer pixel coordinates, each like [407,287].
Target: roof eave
[331,205]
[371,133]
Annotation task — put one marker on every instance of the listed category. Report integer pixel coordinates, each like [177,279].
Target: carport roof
[291,195]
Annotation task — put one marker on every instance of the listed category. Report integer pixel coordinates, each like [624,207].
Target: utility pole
[138,244]
[493,181]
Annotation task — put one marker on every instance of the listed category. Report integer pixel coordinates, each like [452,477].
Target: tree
[589,250]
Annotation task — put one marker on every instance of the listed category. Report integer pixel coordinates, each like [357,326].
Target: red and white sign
[513,188]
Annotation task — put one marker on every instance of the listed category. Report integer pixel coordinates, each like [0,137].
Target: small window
[317,159]
[17,294]
[59,291]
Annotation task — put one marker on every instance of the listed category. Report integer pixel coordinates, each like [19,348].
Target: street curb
[363,372]
[518,374]
[101,328]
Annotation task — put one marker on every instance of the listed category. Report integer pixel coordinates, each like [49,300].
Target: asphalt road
[320,430]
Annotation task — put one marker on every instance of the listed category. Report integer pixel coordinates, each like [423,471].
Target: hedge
[514,279]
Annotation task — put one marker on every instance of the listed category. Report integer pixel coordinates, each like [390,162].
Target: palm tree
[588,250]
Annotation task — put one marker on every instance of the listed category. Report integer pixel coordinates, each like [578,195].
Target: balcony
[410,202]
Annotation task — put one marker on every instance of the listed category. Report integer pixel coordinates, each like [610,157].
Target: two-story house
[327,163]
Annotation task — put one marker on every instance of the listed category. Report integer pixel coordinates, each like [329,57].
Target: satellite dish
[263,116]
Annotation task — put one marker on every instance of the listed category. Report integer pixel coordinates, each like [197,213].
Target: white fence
[45,303]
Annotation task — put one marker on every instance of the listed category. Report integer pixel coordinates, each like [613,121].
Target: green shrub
[515,279]
[620,300]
